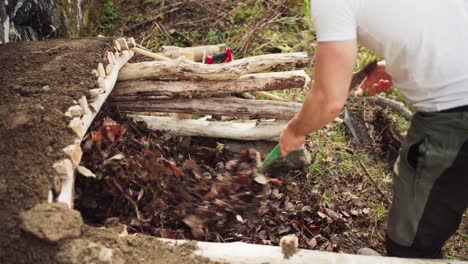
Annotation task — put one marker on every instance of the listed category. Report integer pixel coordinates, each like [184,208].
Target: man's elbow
[333,108]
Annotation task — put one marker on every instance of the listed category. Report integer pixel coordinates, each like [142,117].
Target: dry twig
[375,183]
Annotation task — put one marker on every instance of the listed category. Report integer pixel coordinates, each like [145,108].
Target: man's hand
[377,81]
[289,141]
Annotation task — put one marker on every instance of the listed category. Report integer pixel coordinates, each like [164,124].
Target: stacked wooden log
[184,86]
[82,114]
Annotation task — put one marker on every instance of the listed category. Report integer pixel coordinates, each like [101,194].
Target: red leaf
[98,136]
[276,182]
[242,178]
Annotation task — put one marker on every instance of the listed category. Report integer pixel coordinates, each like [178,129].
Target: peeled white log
[151,89]
[198,52]
[74,152]
[74,111]
[107,84]
[109,68]
[244,253]
[67,173]
[101,71]
[95,92]
[66,168]
[183,68]
[264,130]
[76,124]
[84,105]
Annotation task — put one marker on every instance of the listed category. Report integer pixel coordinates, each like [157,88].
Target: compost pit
[189,188]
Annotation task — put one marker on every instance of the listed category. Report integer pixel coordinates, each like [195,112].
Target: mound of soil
[39,81]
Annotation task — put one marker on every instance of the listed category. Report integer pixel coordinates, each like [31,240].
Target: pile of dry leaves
[161,185]
[142,177]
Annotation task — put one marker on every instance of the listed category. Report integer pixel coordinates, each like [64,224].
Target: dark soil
[38,82]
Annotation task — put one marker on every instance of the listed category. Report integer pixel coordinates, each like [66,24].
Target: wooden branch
[230,106]
[183,68]
[375,183]
[265,130]
[82,117]
[199,52]
[269,96]
[107,84]
[149,89]
[396,106]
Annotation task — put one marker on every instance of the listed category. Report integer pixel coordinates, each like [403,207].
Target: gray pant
[430,185]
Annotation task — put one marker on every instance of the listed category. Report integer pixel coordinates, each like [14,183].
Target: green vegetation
[109,16]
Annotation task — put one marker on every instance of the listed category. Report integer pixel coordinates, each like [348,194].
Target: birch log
[265,130]
[182,68]
[150,89]
[199,52]
[82,116]
[225,106]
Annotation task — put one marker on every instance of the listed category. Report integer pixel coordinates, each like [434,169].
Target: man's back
[425,43]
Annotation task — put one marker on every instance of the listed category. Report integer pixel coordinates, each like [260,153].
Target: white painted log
[264,130]
[183,68]
[244,253]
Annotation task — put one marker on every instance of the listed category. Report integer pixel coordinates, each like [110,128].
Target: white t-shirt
[424,42]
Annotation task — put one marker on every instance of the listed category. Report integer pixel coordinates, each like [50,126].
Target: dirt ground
[38,82]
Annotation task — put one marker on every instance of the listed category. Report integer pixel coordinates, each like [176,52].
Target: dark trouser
[430,185]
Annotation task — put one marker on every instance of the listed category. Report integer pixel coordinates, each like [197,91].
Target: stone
[289,245]
[52,222]
[86,251]
[3,188]
[367,252]
[297,159]
[20,119]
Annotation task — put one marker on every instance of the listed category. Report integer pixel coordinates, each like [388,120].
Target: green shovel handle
[274,154]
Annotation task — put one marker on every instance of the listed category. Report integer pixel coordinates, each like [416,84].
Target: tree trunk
[230,106]
[266,130]
[183,68]
[149,89]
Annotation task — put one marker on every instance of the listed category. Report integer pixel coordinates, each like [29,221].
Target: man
[425,46]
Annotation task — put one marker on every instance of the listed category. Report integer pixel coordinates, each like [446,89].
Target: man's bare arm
[333,71]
